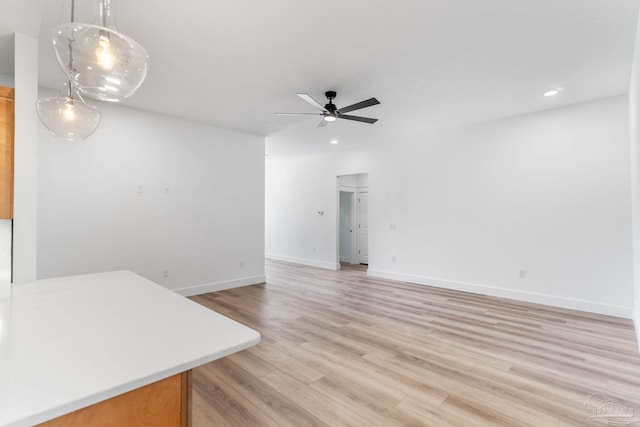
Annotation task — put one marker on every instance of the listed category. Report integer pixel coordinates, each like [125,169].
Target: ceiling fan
[330,112]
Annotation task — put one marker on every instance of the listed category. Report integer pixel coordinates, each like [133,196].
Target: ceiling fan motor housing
[330,107]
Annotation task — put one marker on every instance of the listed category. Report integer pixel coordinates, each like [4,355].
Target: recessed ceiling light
[334,141]
[552,92]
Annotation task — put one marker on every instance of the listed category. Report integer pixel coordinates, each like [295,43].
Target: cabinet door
[6,153]
[165,403]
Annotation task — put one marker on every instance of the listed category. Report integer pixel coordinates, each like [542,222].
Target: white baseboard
[220,286]
[550,300]
[304,261]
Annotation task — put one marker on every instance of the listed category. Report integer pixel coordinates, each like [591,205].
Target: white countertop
[70,342]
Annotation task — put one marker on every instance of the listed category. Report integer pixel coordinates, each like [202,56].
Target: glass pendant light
[68,116]
[101,62]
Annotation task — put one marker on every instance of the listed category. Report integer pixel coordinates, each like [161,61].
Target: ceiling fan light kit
[99,62]
[331,113]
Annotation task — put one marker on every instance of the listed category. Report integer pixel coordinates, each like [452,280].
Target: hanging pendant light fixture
[101,62]
[68,116]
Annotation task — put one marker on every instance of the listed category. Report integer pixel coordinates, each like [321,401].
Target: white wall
[634,114]
[546,192]
[25,158]
[200,213]
[354,181]
[294,193]
[6,81]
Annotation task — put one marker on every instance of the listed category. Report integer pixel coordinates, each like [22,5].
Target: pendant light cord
[73,10]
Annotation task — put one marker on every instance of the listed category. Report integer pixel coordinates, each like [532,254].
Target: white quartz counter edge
[68,343]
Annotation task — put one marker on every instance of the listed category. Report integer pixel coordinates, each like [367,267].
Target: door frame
[358,211]
[354,189]
[352,249]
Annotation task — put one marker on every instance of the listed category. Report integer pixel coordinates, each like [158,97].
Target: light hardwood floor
[339,348]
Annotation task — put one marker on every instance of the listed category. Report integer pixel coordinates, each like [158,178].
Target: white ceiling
[429,62]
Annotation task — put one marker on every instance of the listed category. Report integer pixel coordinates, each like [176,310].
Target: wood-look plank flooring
[344,349]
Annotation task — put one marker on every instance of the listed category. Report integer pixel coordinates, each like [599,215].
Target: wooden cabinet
[6,152]
[165,403]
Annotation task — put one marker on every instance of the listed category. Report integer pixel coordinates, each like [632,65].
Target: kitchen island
[114,344]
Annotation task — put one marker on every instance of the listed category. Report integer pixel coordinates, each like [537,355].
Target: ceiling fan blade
[323,123]
[299,114]
[359,105]
[358,118]
[311,101]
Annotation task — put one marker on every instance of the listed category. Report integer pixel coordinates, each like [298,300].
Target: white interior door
[363,227]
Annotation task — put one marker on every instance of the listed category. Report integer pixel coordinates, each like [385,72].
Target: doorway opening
[353,221]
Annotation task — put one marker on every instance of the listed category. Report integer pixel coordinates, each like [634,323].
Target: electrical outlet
[165,273]
[313,250]
[393,258]
[140,188]
[241,264]
[522,274]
